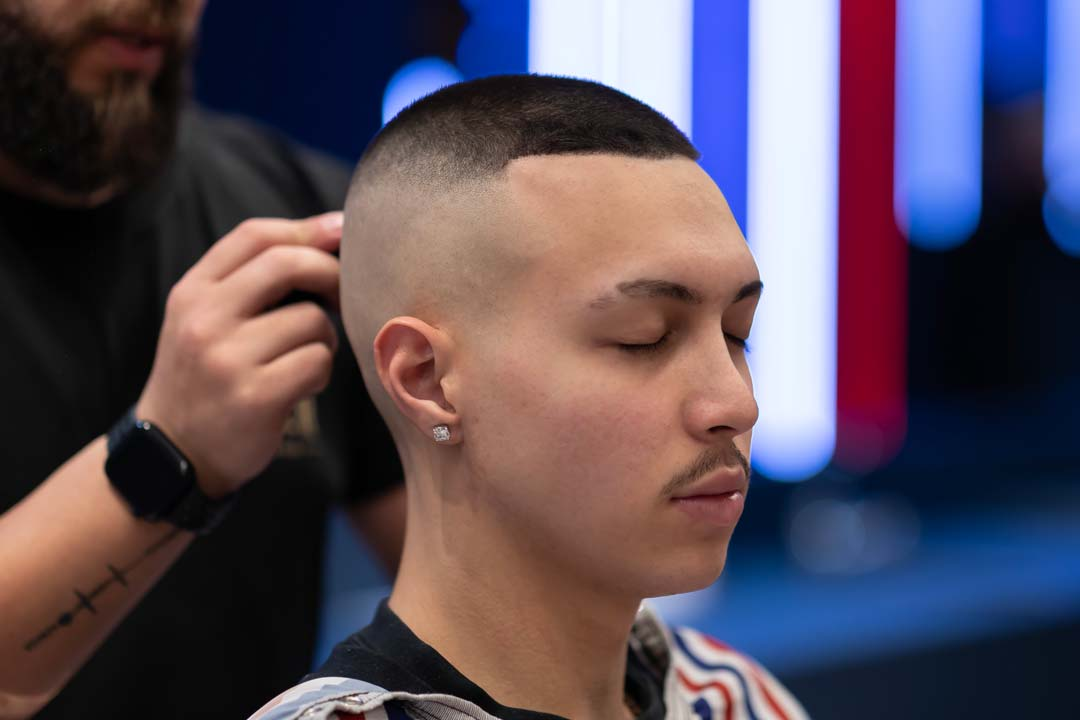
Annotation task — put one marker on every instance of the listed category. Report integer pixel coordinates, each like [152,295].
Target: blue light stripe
[414,80]
[719,96]
[496,40]
[938,193]
[1061,145]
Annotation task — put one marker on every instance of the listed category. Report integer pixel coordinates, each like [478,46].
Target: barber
[163,380]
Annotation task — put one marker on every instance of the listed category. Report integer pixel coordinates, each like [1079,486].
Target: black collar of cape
[387,653]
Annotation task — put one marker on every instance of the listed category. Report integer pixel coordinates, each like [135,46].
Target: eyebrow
[651,288]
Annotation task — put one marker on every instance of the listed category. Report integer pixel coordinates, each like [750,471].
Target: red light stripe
[871,400]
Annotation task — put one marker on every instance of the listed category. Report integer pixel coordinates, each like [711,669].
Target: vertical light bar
[938,193]
[609,43]
[872,278]
[719,103]
[791,226]
[496,40]
[642,47]
[656,52]
[566,37]
[1061,143]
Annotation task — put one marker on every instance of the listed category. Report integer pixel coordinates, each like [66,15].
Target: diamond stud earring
[441,433]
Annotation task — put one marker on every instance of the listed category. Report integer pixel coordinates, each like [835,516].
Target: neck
[18,181]
[519,625]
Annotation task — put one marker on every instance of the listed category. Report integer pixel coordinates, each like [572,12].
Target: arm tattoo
[85,603]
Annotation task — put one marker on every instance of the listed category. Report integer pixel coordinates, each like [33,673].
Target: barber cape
[703,679]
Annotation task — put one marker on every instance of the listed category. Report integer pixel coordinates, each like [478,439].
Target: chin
[686,571]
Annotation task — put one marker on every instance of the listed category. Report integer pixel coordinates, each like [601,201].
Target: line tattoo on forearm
[85,600]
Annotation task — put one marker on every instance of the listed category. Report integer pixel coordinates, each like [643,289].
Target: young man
[112,192]
[550,302]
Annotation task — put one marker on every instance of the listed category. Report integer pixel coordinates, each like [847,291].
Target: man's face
[610,393]
[90,89]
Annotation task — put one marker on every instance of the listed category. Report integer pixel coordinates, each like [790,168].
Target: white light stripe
[642,47]
[791,226]
[566,37]
[609,65]
[938,170]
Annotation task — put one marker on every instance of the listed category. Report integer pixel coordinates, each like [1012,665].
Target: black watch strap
[156,480]
[198,513]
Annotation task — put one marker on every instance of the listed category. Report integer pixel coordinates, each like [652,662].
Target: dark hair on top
[474,129]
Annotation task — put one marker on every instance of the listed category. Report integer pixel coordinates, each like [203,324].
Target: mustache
[717,456]
[158,17]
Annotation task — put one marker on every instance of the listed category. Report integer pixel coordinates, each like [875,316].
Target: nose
[720,400]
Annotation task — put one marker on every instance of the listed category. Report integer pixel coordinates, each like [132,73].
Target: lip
[722,510]
[131,49]
[717,500]
[723,482]
[146,33]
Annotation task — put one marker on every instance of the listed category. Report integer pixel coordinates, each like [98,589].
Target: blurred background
[907,173]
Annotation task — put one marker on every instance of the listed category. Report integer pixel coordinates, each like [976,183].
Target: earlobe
[410,357]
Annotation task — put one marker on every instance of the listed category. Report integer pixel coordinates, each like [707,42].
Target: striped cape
[704,679]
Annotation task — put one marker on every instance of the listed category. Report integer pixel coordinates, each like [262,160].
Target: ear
[411,358]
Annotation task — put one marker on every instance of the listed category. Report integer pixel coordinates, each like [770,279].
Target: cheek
[609,434]
[53,20]
[580,432]
[46,13]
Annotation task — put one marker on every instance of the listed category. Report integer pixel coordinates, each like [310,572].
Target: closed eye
[653,347]
[645,348]
[739,342]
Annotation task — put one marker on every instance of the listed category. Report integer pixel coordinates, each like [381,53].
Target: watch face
[146,470]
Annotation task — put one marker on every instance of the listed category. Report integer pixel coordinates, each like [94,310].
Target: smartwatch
[156,480]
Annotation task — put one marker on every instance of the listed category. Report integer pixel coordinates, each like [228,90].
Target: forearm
[73,562]
[230,366]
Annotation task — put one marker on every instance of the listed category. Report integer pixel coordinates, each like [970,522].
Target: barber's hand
[230,365]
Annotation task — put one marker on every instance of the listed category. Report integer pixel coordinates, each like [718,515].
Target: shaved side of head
[430,220]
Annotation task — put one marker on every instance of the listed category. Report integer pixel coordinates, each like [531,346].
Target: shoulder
[256,168]
[717,680]
[344,697]
[335,698]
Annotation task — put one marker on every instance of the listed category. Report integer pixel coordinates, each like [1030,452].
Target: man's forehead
[600,194]
[593,220]
[602,200]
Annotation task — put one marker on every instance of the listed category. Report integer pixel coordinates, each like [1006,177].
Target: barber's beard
[76,142]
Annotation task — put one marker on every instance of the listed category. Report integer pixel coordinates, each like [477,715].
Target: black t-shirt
[82,296]
[387,653]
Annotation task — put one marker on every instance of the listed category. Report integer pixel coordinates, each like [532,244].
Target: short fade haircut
[475,129]
[441,157]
